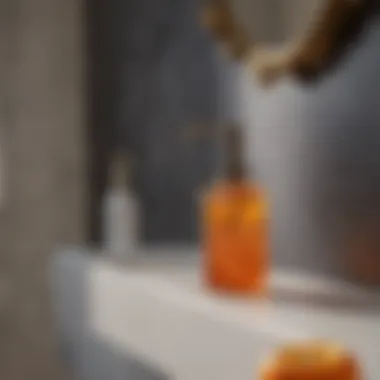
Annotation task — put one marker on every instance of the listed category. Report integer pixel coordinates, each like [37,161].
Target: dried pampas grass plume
[334,28]
[218,17]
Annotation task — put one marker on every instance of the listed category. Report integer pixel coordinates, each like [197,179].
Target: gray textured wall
[166,85]
[42,121]
[306,143]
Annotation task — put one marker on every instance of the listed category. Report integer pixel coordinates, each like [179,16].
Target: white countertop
[159,311]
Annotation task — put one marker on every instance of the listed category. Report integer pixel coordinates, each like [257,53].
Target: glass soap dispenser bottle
[235,227]
[120,212]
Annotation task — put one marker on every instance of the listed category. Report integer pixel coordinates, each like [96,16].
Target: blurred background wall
[151,75]
[316,150]
[43,124]
[154,78]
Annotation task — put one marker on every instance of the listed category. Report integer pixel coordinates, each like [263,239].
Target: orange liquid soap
[311,361]
[235,229]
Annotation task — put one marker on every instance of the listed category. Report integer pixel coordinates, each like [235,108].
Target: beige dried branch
[333,29]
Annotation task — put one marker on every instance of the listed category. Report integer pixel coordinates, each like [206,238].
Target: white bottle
[120,213]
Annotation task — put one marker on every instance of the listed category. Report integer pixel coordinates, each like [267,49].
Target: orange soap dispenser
[235,227]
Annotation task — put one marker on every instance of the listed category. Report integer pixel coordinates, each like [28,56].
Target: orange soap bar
[311,361]
[235,238]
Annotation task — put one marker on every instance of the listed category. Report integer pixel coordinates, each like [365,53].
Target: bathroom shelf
[158,310]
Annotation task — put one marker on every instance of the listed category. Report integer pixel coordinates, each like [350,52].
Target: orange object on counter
[311,361]
[235,228]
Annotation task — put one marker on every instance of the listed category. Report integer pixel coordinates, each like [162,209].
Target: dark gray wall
[156,78]
[314,148]
[170,86]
